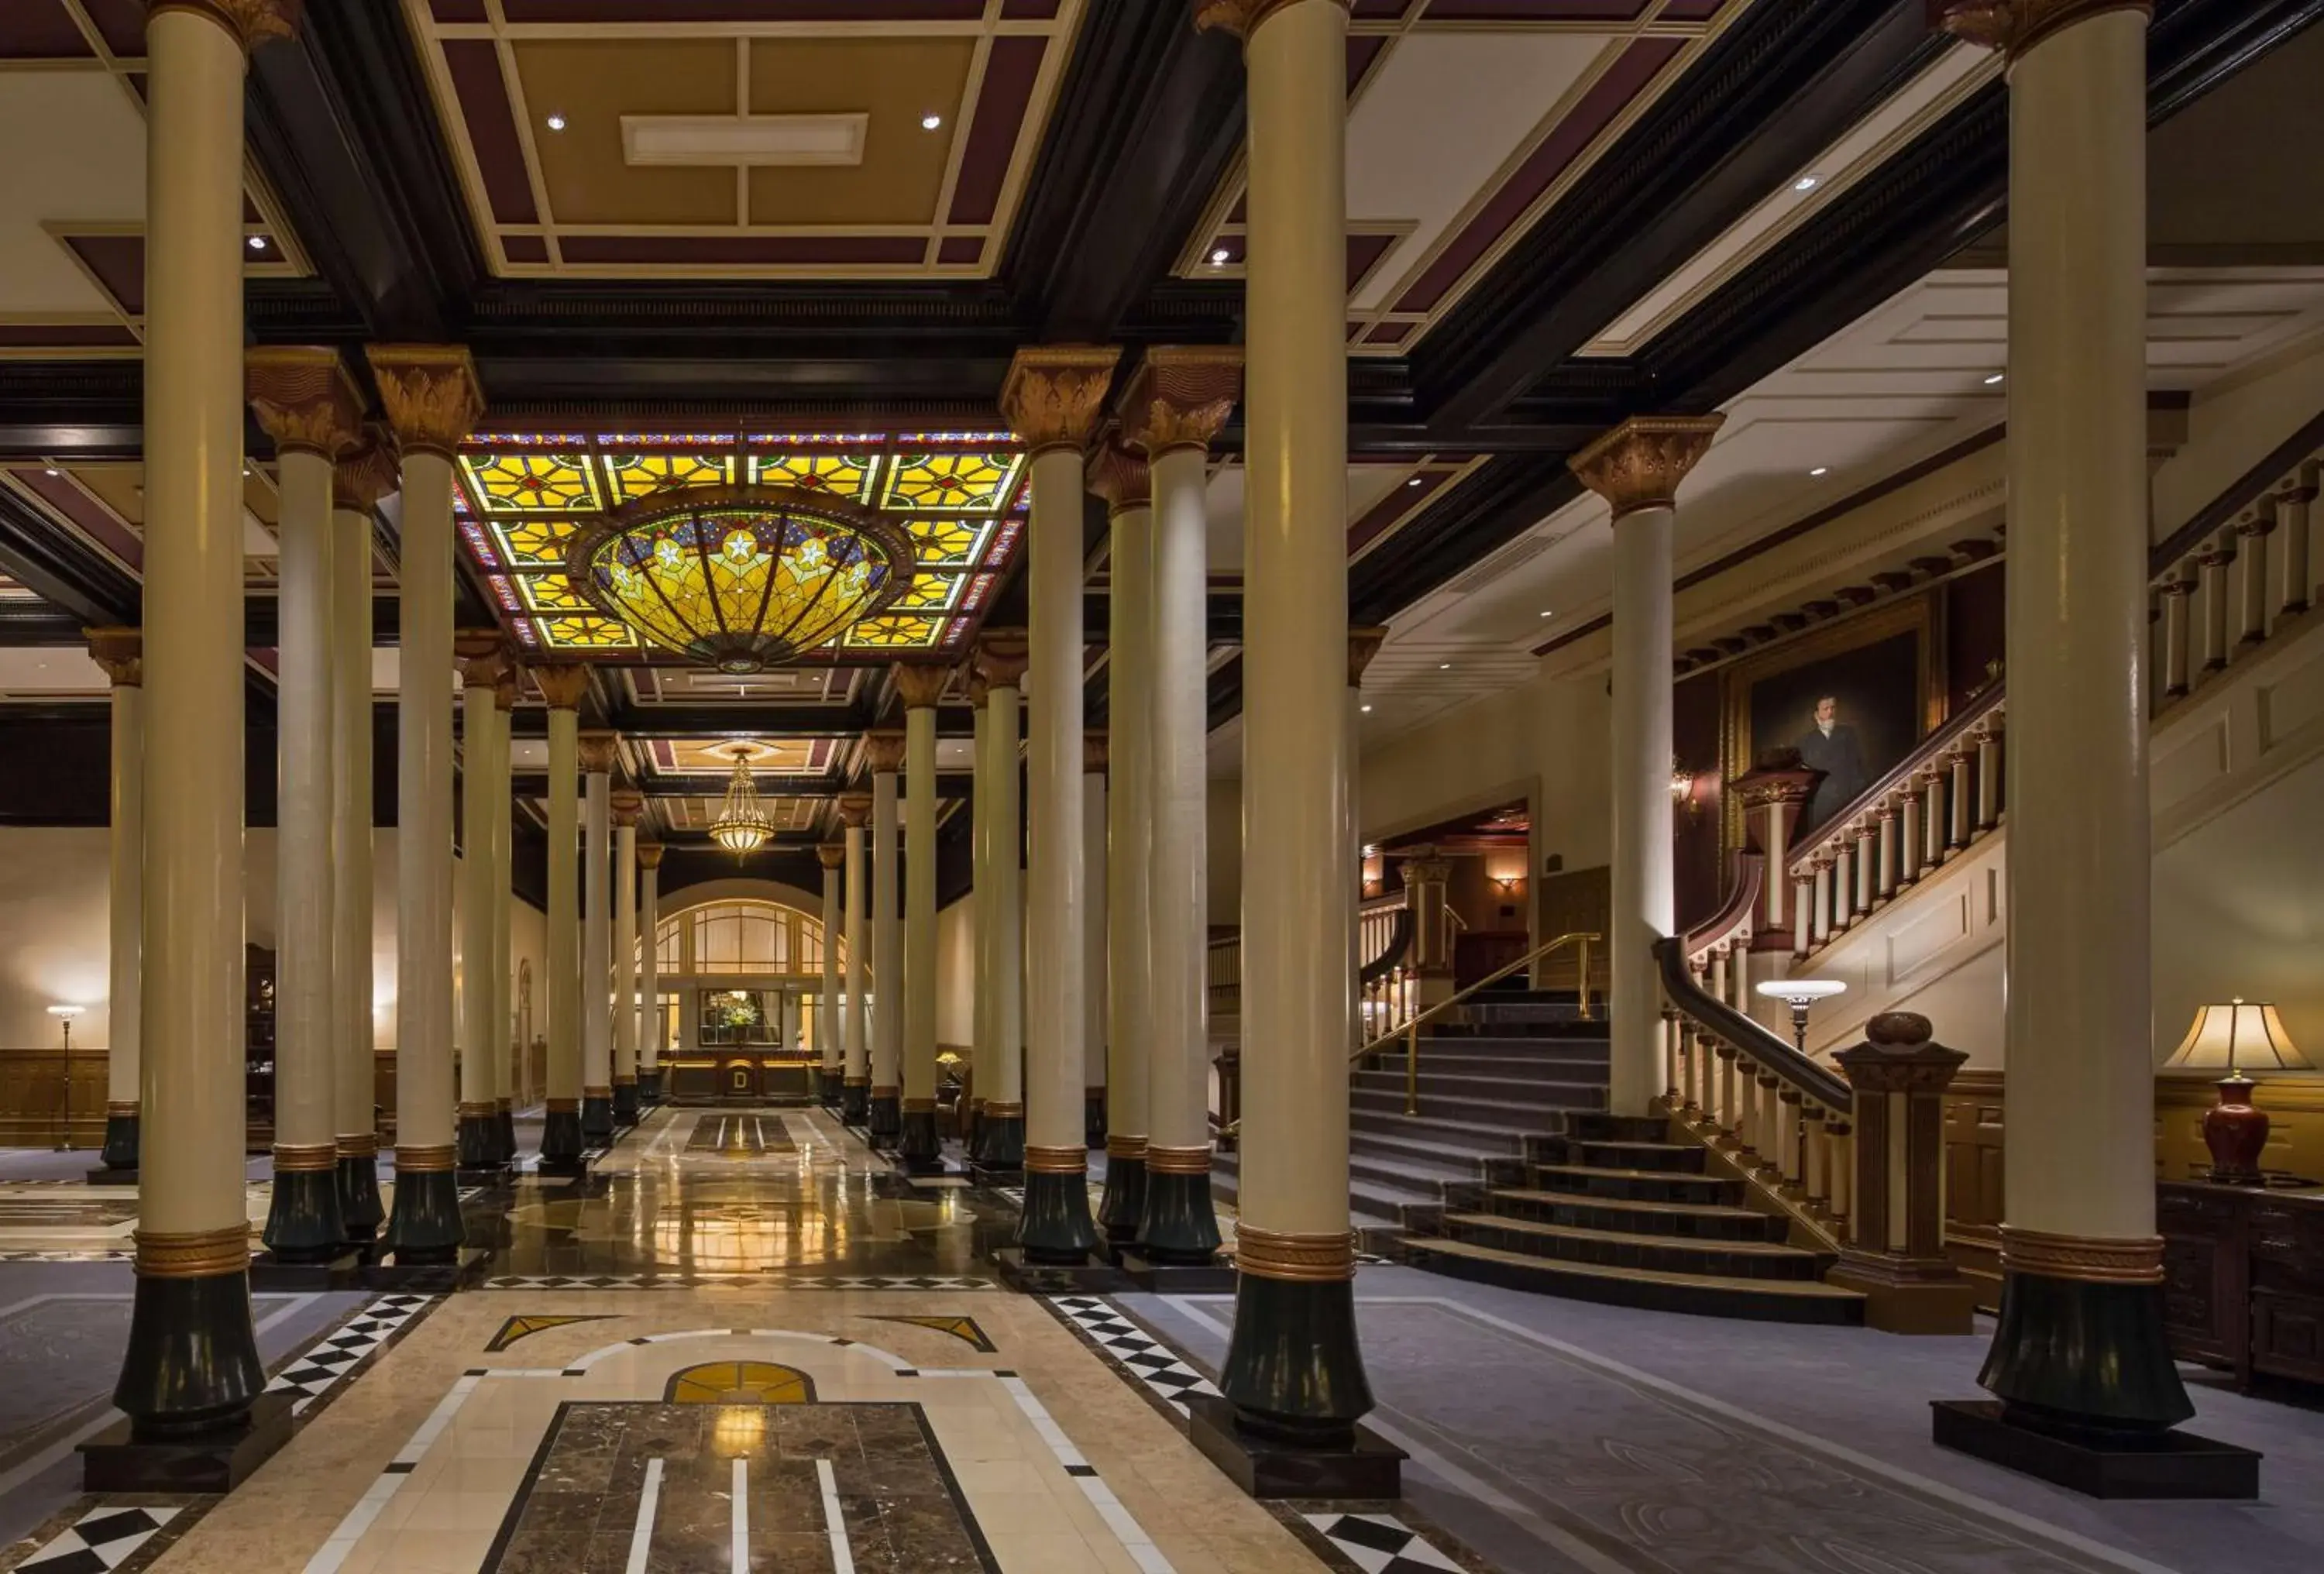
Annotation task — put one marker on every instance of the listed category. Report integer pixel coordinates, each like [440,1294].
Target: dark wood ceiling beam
[62,570]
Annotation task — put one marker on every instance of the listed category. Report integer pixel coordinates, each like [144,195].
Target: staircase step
[1662,1157]
[1395,1123]
[1739,1259]
[1639,1185]
[1680,1221]
[1603,1128]
[1426,1177]
[1544,1109]
[1707,1296]
[1440,1084]
[1469,1152]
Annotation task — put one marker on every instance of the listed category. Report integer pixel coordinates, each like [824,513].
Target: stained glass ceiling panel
[960,494]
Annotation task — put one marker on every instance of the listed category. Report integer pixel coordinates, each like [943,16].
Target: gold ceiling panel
[895,82]
[591,85]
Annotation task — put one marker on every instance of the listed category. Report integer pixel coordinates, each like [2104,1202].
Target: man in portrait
[1831,747]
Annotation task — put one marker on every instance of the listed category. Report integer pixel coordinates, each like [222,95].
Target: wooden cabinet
[2242,1274]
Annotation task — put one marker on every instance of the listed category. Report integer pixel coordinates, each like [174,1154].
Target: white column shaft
[1094,930]
[920,903]
[980,875]
[826,1006]
[1054,1006]
[479,716]
[504,1047]
[887,938]
[354,1088]
[596,940]
[423,839]
[653,1035]
[1006,1080]
[625,954]
[1178,861]
[1642,893]
[564,906]
[855,1046]
[305,1111]
[124,892]
[1129,816]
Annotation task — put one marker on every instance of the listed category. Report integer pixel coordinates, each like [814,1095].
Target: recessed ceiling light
[1367,709]
[930,122]
[1807,182]
[1549,614]
[1444,666]
[1994,380]
[557,122]
[1219,258]
[1821,470]
[54,471]
[258,242]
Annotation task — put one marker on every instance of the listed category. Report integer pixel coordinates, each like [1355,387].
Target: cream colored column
[306,403]
[650,1019]
[1119,475]
[886,752]
[1364,644]
[1636,468]
[482,665]
[833,855]
[600,753]
[505,1049]
[1052,398]
[561,1141]
[117,652]
[628,806]
[192,1356]
[1001,1140]
[432,399]
[919,687]
[1176,404]
[855,1044]
[2081,1330]
[362,478]
[980,839]
[1095,879]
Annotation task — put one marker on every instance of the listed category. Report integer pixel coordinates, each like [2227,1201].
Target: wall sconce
[1506,873]
[1681,785]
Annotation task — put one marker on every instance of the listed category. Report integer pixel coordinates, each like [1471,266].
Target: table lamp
[1800,994]
[2236,1035]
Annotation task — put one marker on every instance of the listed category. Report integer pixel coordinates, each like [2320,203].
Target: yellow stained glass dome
[741,578]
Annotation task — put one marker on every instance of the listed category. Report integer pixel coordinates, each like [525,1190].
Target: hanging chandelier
[741,578]
[742,825]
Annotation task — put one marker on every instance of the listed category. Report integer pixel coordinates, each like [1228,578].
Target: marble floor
[744,1342]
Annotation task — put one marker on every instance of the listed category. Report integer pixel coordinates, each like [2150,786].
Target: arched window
[743,937]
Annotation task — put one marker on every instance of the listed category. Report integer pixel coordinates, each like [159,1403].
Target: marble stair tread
[1802,1290]
[1773,1250]
[1628,1204]
[1395,1146]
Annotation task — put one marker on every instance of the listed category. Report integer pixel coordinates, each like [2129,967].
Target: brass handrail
[1410,1031]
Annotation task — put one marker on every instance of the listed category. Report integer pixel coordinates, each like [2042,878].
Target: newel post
[1774,792]
[1896,1252]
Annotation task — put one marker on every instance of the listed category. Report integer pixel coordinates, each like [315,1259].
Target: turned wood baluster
[2291,508]
[1932,816]
[1866,858]
[1842,1160]
[1823,924]
[2218,554]
[1908,837]
[1887,884]
[1959,801]
[1988,775]
[2251,621]
[1673,1054]
[1803,917]
[1843,884]
[1730,1108]
[1814,1142]
[1747,1115]
[1771,1126]
[2178,595]
[1717,985]
[1788,1104]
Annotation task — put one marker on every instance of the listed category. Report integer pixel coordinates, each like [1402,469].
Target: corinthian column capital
[627,806]
[431,393]
[254,22]
[1000,657]
[121,652]
[648,855]
[1639,464]
[855,810]
[831,854]
[1243,17]
[364,472]
[1119,475]
[2015,26]
[1054,393]
[601,752]
[484,659]
[562,685]
[304,397]
[886,753]
[919,687]
[1180,396]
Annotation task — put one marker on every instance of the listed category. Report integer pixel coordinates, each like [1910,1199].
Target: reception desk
[740,1076]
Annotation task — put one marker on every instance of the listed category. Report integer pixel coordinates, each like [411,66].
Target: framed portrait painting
[1854,698]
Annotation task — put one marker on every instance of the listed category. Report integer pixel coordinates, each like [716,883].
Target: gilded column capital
[1093,752]
[121,651]
[1243,17]
[921,686]
[2014,26]
[979,691]
[628,806]
[562,684]
[601,752]
[1180,397]
[432,396]
[252,22]
[855,810]
[1054,392]
[885,750]
[304,397]
[1119,475]
[364,472]
[649,855]
[1000,657]
[1364,640]
[831,854]
[504,686]
[1426,870]
[1639,464]
[483,657]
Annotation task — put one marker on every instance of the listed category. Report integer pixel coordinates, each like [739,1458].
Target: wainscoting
[33,1097]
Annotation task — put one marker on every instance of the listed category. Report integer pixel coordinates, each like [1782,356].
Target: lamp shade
[1798,991]
[2237,1035]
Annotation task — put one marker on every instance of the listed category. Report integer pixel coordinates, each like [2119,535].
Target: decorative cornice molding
[562,684]
[304,398]
[365,474]
[252,22]
[2015,26]
[1243,17]
[1180,397]
[885,751]
[1001,655]
[1119,475]
[431,394]
[921,686]
[1054,392]
[601,752]
[1640,464]
[1364,640]
[121,652]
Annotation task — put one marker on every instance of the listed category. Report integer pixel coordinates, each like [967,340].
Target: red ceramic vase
[2234,1131]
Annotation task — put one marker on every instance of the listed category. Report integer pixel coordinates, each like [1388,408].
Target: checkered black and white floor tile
[100,1540]
[1380,1543]
[764,1281]
[1150,1361]
[316,1370]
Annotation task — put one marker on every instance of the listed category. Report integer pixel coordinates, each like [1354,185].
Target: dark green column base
[479,1142]
[887,1122]
[560,1140]
[504,1134]
[597,1122]
[426,1226]
[1124,1203]
[1093,1117]
[625,1103]
[917,1141]
[831,1092]
[302,1220]
[649,1087]
[1178,1224]
[1001,1142]
[361,1211]
[1056,1226]
[120,1151]
[192,1363]
[2073,1356]
[854,1103]
[1293,1370]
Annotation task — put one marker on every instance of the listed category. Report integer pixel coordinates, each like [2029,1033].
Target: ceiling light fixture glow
[1367,709]
[1219,257]
[258,242]
[930,122]
[743,825]
[557,122]
[1821,470]
[1807,182]
[1994,380]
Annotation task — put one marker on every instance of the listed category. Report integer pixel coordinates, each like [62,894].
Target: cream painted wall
[956,973]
